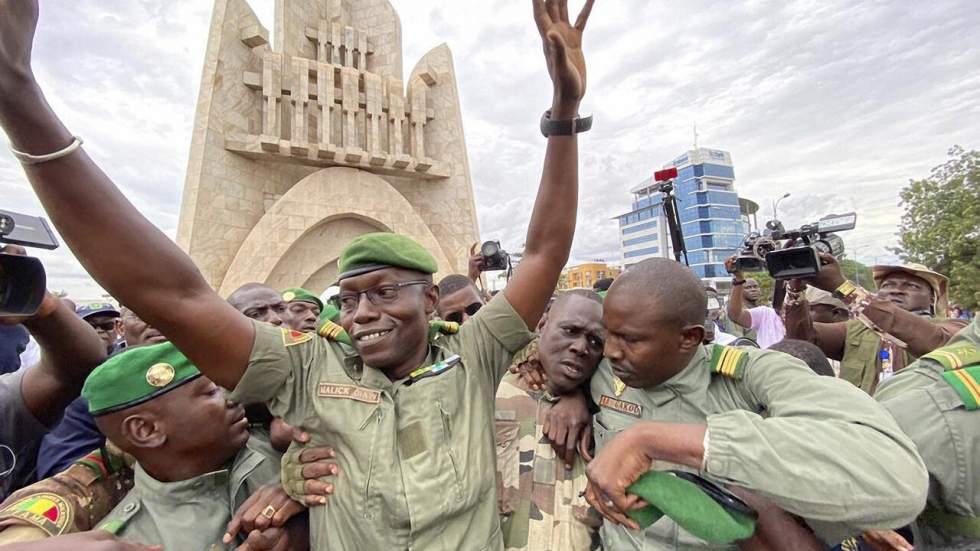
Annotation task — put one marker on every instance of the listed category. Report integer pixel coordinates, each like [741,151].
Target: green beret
[690,507]
[374,251]
[301,295]
[329,312]
[135,376]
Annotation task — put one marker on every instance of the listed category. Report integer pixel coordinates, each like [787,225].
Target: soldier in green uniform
[411,422]
[303,309]
[890,329]
[936,401]
[749,418]
[187,482]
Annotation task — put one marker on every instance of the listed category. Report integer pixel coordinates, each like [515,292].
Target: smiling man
[411,422]
[750,418]
[906,315]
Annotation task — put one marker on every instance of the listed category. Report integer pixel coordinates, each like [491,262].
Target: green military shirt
[947,434]
[416,460]
[816,446]
[192,514]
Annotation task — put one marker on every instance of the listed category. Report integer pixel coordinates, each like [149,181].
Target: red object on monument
[666,174]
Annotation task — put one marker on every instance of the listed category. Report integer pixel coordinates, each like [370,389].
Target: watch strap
[567,127]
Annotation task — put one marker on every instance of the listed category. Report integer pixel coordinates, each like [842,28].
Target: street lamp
[775,206]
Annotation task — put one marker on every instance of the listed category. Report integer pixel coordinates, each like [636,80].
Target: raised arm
[736,312]
[131,258]
[552,226]
[829,337]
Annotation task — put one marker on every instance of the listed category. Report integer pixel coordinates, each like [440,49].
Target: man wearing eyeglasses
[105,319]
[459,299]
[412,423]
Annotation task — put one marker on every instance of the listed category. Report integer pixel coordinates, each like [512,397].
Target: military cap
[96,309]
[329,312]
[375,251]
[691,507]
[136,376]
[819,296]
[298,294]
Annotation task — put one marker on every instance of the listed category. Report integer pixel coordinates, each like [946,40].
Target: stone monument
[302,145]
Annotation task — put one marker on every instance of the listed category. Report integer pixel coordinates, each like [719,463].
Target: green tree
[941,224]
[858,273]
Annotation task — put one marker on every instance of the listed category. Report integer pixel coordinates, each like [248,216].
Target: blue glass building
[711,219]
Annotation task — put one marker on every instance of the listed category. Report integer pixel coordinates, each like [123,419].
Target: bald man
[754,419]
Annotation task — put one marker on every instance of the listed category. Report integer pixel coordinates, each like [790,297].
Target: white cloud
[838,103]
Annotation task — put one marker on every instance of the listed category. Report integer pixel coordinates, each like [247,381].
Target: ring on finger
[269,512]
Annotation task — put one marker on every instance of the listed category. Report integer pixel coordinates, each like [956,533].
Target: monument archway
[299,238]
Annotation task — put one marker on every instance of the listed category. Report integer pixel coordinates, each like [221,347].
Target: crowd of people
[398,411]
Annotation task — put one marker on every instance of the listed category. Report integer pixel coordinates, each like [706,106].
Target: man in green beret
[303,309]
[753,419]
[195,463]
[412,422]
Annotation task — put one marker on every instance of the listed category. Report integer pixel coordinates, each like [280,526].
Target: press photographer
[888,330]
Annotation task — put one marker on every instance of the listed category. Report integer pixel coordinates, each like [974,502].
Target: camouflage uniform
[74,500]
[541,506]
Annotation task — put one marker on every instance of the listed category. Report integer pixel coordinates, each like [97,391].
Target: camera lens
[489,248]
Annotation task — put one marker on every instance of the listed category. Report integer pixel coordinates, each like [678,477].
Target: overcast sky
[837,103]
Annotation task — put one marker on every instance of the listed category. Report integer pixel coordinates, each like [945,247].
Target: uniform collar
[693,378]
[375,378]
[151,489]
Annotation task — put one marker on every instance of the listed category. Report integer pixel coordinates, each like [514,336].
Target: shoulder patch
[47,511]
[334,332]
[440,327]
[956,356]
[728,361]
[292,337]
[966,382]
[115,522]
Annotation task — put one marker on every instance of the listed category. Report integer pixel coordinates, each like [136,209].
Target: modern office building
[712,218]
[585,275]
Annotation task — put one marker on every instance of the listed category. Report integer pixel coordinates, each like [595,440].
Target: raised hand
[563,50]
[18,21]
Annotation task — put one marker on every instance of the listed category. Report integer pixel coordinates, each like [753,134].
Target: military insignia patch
[966,382]
[956,356]
[350,392]
[160,375]
[330,330]
[288,296]
[47,511]
[291,337]
[622,406]
[618,386]
[728,361]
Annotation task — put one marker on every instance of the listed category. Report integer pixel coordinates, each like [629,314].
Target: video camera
[494,257]
[798,256]
[22,278]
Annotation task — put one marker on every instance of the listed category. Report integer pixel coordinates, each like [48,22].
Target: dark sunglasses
[471,310]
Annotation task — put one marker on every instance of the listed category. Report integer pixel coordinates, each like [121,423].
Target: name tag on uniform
[622,406]
[350,392]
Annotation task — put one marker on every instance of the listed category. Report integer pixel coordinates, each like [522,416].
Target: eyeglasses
[382,294]
[470,310]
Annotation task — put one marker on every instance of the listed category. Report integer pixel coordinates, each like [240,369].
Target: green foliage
[941,224]
[858,273]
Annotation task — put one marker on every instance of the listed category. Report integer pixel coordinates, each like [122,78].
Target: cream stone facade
[301,145]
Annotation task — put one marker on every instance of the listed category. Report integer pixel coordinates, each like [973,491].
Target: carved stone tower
[304,145]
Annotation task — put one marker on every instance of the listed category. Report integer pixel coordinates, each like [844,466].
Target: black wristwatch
[736,282]
[564,128]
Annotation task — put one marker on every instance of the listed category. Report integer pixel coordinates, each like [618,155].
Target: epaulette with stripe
[439,327]
[728,361]
[956,356]
[966,382]
[334,332]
